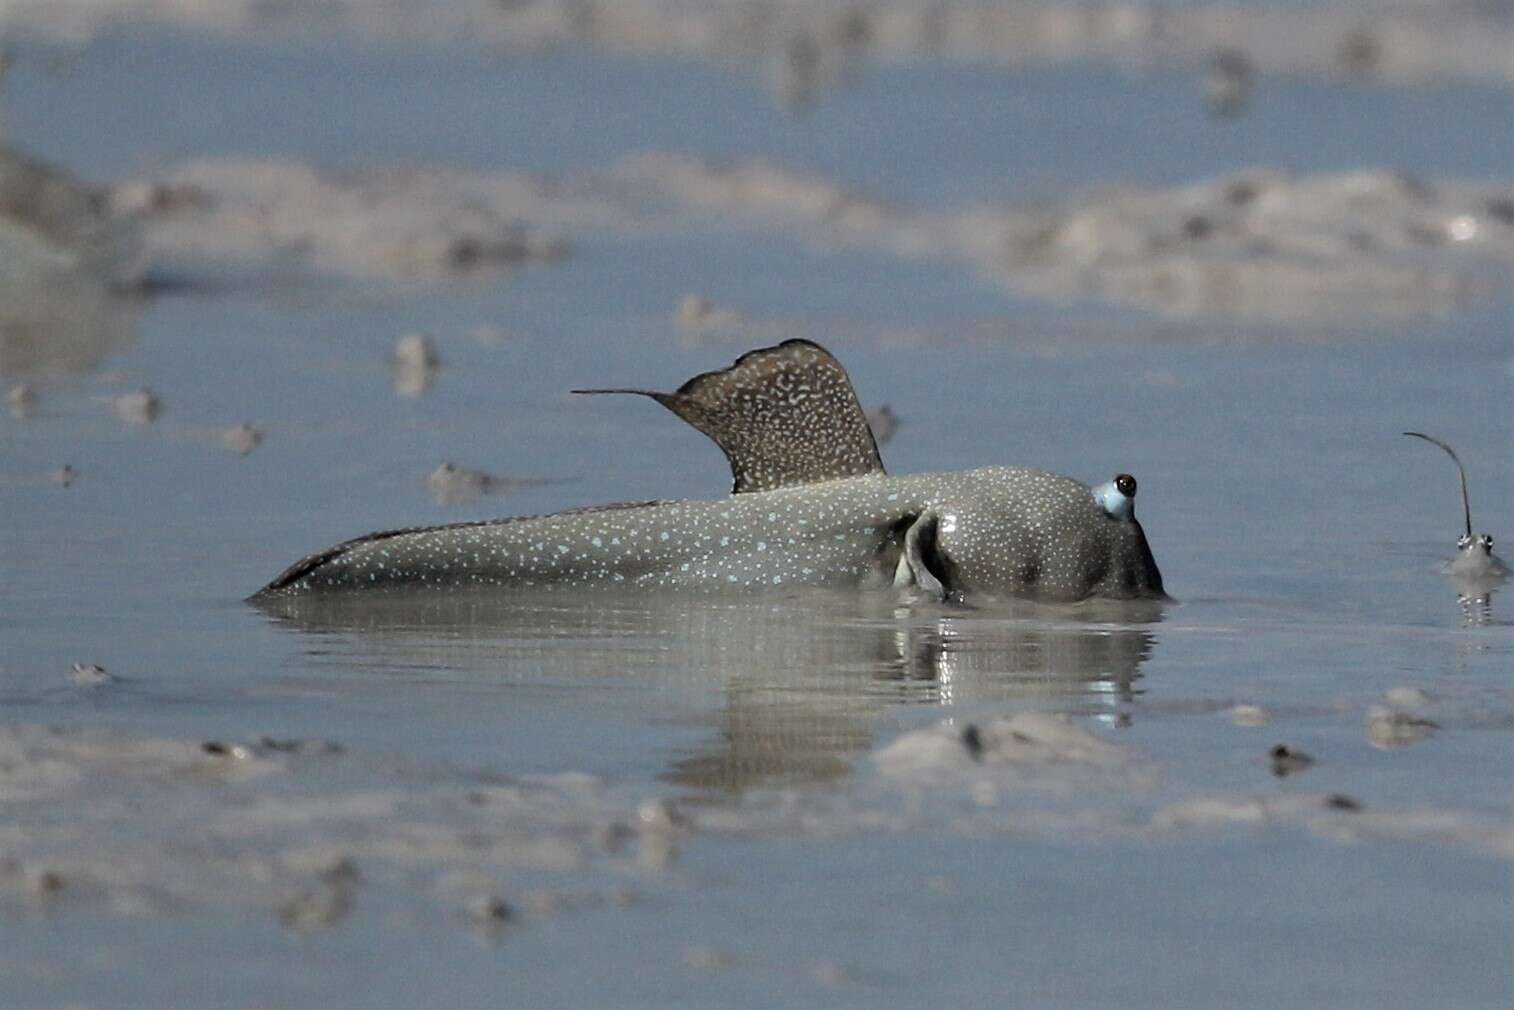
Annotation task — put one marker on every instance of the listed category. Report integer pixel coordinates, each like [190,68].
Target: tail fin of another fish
[1466,503]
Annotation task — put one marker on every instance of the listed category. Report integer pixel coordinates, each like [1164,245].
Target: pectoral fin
[782,415]
[921,564]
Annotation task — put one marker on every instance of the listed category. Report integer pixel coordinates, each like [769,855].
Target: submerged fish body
[998,529]
[811,506]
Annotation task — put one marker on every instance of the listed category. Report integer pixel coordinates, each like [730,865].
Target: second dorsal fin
[782,415]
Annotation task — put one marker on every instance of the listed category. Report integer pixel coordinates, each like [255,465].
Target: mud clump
[392,223]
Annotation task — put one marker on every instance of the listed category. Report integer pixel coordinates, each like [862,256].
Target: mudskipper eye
[1115,497]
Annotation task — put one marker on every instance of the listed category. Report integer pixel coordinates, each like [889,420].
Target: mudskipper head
[1481,543]
[1022,532]
[1132,571]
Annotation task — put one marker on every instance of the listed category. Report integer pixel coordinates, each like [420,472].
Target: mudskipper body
[811,504]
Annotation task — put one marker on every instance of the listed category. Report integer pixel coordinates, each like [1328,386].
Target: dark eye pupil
[1126,484]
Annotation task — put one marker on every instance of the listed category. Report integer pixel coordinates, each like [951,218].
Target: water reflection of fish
[811,505]
[803,675]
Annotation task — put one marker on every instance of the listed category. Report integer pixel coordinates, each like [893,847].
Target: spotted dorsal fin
[782,415]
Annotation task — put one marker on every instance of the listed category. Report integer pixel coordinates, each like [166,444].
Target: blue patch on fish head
[1117,497]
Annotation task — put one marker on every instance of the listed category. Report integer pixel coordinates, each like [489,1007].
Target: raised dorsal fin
[782,415]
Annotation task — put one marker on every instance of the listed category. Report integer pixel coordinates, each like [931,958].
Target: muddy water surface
[736,801]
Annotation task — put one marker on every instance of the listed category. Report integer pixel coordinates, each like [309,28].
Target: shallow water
[818,842]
